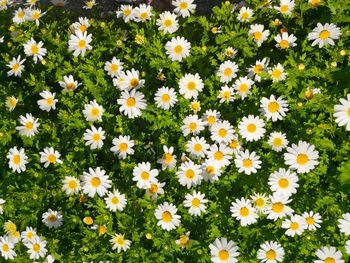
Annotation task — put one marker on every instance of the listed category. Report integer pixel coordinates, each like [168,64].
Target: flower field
[165,136]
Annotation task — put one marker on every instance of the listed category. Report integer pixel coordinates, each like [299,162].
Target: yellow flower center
[83,28]
[324,34]
[244,211]
[115,200]
[218,156]
[222,133]
[310,220]
[259,202]
[183,5]
[233,144]
[315,2]
[294,226]
[70,86]
[196,202]
[51,158]
[191,85]
[72,184]
[113,68]
[211,119]
[11,228]
[277,207]
[153,189]
[36,247]
[144,175]
[276,73]
[349,112]
[245,15]
[36,15]
[210,170]
[247,163]
[30,235]
[302,159]
[5,248]
[167,157]
[16,159]
[15,67]
[34,49]
[29,126]
[20,14]
[223,255]
[95,182]
[195,106]
[243,88]
[13,102]
[126,12]
[88,220]
[49,101]
[143,15]
[95,112]
[178,49]
[120,241]
[81,43]
[166,216]
[165,98]
[192,126]
[101,230]
[52,218]
[271,254]
[226,95]
[227,72]
[96,137]
[251,127]
[197,147]
[284,44]
[329,260]
[283,183]
[257,35]
[130,102]
[123,147]
[168,22]
[184,240]
[258,69]
[134,83]
[273,106]
[277,142]
[189,174]
[284,8]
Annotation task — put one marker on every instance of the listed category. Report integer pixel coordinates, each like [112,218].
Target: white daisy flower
[226,94]
[251,128]
[277,73]
[247,162]
[344,224]
[166,214]
[89,4]
[222,132]
[144,176]
[189,174]
[184,8]
[71,185]
[192,125]
[59,3]
[34,15]
[178,48]
[50,155]
[197,147]
[230,52]
[242,86]
[245,13]
[283,182]
[235,145]
[196,203]
[31,2]
[93,111]
[167,22]
[132,103]
[95,182]
[19,16]
[260,201]
[48,101]
[285,41]
[301,157]
[278,141]
[278,208]
[29,125]
[165,98]
[190,85]
[120,243]
[16,66]
[243,210]
[123,146]
[295,225]
[257,69]
[52,218]
[68,83]
[131,80]
[342,112]
[220,155]
[17,159]
[11,103]
[126,12]
[258,33]
[115,201]
[312,220]
[211,116]
[328,255]
[210,171]
[223,251]
[6,248]
[15,237]
[286,7]
[32,48]
[309,93]
[114,67]
[227,71]
[270,252]
[94,137]
[155,190]
[79,43]
[142,13]
[184,241]
[82,25]
[168,159]
[28,234]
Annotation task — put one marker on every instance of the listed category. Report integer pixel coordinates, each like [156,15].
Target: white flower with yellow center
[114,67]
[235,144]
[197,147]
[17,159]
[243,210]
[142,13]
[226,94]
[115,201]
[274,109]
[89,4]
[123,146]
[247,162]
[230,52]
[178,48]
[285,41]
[95,182]
[309,93]
[242,86]
[82,25]
[184,8]
[31,2]
[48,101]
[10,227]
[28,234]
[19,16]
[34,15]
[196,203]
[168,159]
[29,125]
[59,3]
[283,182]
[195,106]
[71,185]
[50,156]
[344,224]
[6,248]
[312,220]
[79,43]
[278,207]
[155,190]
[184,241]
[227,71]
[328,255]
[131,80]
[126,12]
[220,155]
[52,218]
[69,84]
[286,7]
[222,132]
[251,128]
[277,73]
[94,137]
[270,252]
[36,248]
[258,33]
[167,22]
[295,225]
[223,252]
[211,116]
[190,85]
[260,201]
[15,237]
[192,125]
[301,157]
[32,48]
[16,67]
[144,176]
[189,174]
[93,111]
[11,103]
[131,103]
[119,243]
[342,113]
[257,69]
[278,141]
[165,98]
[166,214]
[210,171]
[245,13]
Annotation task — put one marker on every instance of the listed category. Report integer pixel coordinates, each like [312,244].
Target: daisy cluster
[211,144]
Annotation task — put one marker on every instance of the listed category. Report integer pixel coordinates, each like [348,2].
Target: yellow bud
[43,61]
[86,249]
[149,236]
[119,42]
[9,44]
[106,217]
[342,52]
[76,148]
[301,66]
[35,196]
[143,74]
[204,48]
[227,3]
[12,28]
[300,104]
[334,64]
[103,24]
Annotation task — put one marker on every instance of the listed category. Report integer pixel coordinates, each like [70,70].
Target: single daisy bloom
[251,128]
[89,4]
[222,132]
[34,15]
[52,218]
[227,71]
[16,66]
[197,147]
[247,162]
[278,141]
[68,83]
[6,248]
[126,12]
[243,210]
[71,185]
[79,43]
[278,208]
[11,103]
[143,175]
[195,106]
[190,85]
[285,41]
[48,101]
[50,155]
[82,25]
[132,103]
[235,145]
[19,16]
[277,73]
[165,98]
[31,2]
[220,155]
[245,13]
[210,171]
[32,48]
[28,234]
[155,190]
[123,146]
[167,22]
[119,243]
[184,241]
[192,125]
[342,112]
[17,159]
[260,201]
[142,13]
[295,225]
[270,252]
[94,137]
[189,174]
[36,248]
[286,7]
[258,33]
[324,34]
[211,117]
[114,67]
[29,125]
[10,227]
[131,80]
[312,220]
[166,214]
[309,93]
[178,48]
[223,251]
[93,111]
[301,157]
[242,86]
[95,182]
[283,182]
[257,69]
[168,159]
[226,94]
[115,201]
[328,255]
[184,8]
[344,224]
[59,3]
[230,52]
[196,203]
